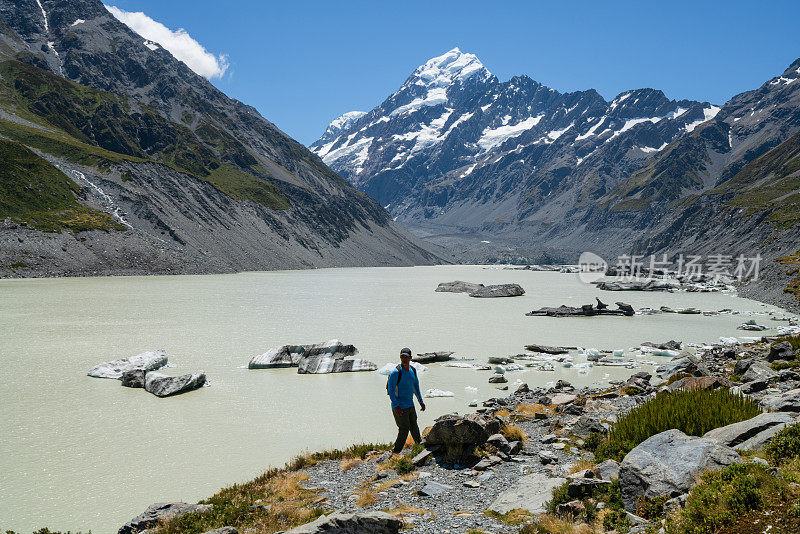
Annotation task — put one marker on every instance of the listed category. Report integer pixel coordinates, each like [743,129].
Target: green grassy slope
[99,128]
[35,192]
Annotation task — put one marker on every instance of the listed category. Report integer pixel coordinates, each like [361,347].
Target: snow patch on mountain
[492,137]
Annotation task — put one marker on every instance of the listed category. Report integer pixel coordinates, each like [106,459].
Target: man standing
[402,386]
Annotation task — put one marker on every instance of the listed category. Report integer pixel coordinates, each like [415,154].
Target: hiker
[402,386]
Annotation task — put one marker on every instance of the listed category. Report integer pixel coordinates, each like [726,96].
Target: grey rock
[162,385]
[673,367]
[360,523]
[319,358]
[223,530]
[780,351]
[148,361]
[668,464]
[434,489]
[754,387]
[586,425]
[529,492]
[607,470]
[497,379]
[783,402]
[741,366]
[547,457]
[500,290]
[747,434]
[134,378]
[499,442]
[423,457]
[675,504]
[759,371]
[158,511]
[453,433]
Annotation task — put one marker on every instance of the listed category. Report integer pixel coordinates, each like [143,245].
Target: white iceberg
[431,393]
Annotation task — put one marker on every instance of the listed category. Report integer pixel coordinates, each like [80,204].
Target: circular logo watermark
[591,267]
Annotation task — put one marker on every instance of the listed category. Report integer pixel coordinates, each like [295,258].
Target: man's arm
[392,386]
[417,393]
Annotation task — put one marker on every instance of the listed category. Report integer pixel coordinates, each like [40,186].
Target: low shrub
[650,508]
[593,441]
[721,498]
[693,412]
[616,520]
[785,445]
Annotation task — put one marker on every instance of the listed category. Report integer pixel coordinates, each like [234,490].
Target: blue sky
[301,64]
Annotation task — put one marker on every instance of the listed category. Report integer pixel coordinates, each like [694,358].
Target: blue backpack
[399,378]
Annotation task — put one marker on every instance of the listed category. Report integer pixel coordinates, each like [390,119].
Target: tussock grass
[346,465]
[403,509]
[694,412]
[580,465]
[360,450]
[513,433]
[552,524]
[366,497]
[517,516]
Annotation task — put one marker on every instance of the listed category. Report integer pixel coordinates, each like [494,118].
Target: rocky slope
[199,182]
[516,171]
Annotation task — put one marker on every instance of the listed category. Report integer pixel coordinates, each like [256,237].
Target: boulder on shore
[673,367]
[158,511]
[668,464]
[358,523]
[529,492]
[147,361]
[162,385]
[453,433]
[752,434]
[783,402]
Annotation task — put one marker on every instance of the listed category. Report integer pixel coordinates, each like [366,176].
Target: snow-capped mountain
[456,146]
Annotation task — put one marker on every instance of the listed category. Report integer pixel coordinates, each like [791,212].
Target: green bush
[593,441]
[693,412]
[723,496]
[404,465]
[785,445]
[650,508]
[616,520]
[677,376]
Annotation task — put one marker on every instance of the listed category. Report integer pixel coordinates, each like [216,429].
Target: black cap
[405,350]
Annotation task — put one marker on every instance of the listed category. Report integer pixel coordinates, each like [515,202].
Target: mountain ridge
[136,100]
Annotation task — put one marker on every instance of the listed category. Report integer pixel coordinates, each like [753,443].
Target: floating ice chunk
[514,367]
[728,340]
[458,364]
[591,352]
[619,352]
[431,393]
[499,370]
[471,389]
[665,352]
[566,363]
[387,369]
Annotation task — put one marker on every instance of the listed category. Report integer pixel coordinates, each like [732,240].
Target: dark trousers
[406,422]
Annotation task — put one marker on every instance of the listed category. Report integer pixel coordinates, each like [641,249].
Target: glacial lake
[83,453]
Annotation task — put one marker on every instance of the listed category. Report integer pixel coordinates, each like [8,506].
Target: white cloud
[179,43]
